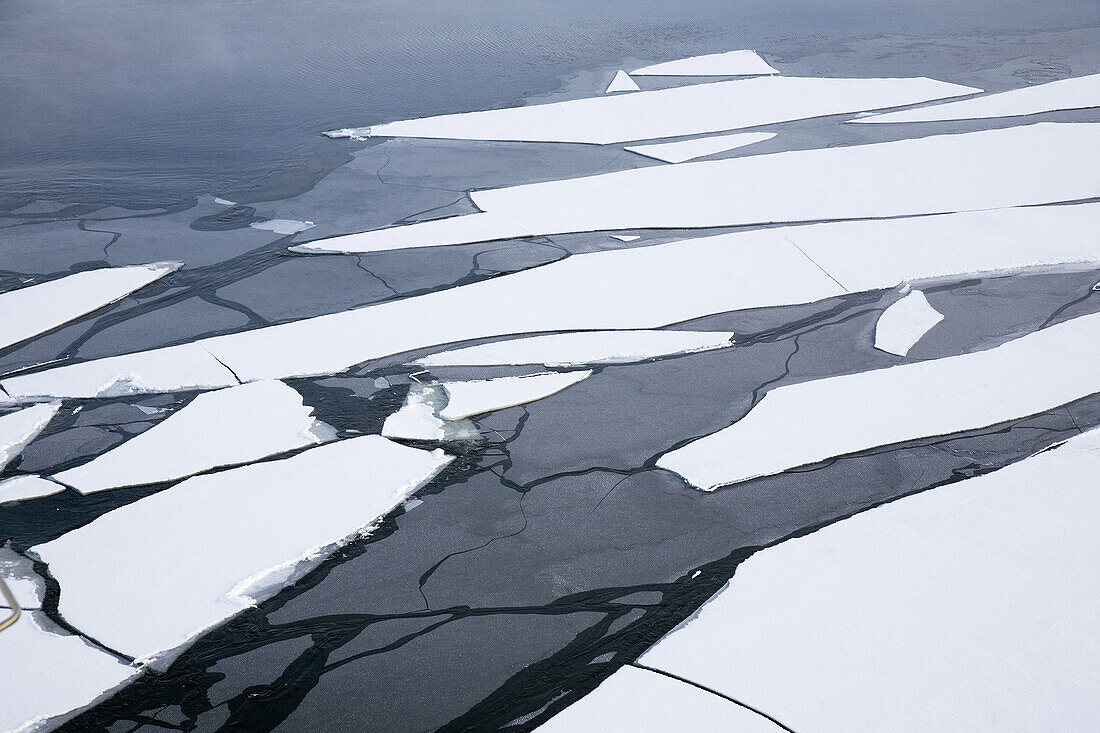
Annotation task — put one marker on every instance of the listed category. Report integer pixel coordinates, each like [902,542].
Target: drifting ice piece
[1078,93]
[804,423]
[902,324]
[634,700]
[25,585]
[687,110]
[199,552]
[730,63]
[626,237]
[217,429]
[690,149]
[968,607]
[582,347]
[21,427]
[282,226]
[27,312]
[467,399]
[622,83]
[20,488]
[417,419]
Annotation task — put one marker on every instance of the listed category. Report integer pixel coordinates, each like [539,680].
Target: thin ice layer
[21,427]
[904,323]
[27,312]
[20,488]
[216,429]
[639,288]
[580,348]
[477,397]
[634,700]
[1080,92]
[622,83]
[730,63]
[684,150]
[971,607]
[146,578]
[686,110]
[804,423]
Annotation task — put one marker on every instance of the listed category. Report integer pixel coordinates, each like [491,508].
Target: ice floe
[1077,93]
[904,323]
[197,553]
[282,226]
[729,63]
[678,152]
[224,202]
[634,700]
[17,572]
[417,419]
[684,110]
[971,606]
[216,429]
[636,288]
[582,348]
[936,174]
[808,422]
[21,488]
[626,237]
[29,311]
[622,83]
[476,397]
[21,427]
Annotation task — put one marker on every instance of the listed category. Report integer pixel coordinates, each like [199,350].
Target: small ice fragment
[21,488]
[224,202]
[411,504]
[622,83]
[21,427]
[417,419]
[282,226]
[730,63]
[150,410]
[685,150]
[626,237]
[381,383]
[903,324]
[353,133]
[467,399]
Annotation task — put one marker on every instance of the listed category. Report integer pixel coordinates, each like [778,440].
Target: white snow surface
[216,429]
[971,606]
[636,288]
[684,150]
[19,488]
[626,237]
[729,63]
[904,323]
[634,700]
[148,577]
[622,83]
[804,423]
[1079,92]
[581,348]
[936,174]
[18,574]
[282,226]
[29,311]
[660,113]
[417,418]
[476,397]
[19,428]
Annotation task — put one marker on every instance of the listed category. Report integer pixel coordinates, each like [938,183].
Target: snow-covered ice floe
[904,323]
[635,700]
[199,552]
[729,63]
[282,226]
[968,607]
[27,312]
[21,427]
[27,587]
[216,429]
[808,422]
[685,150]
[1032,164]
[626,237]
[622,83]
[581,348]
[21,488]
[686,110]
[637,288]
[1080,92]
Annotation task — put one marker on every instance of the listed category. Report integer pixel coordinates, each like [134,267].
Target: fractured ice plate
[19,428]
[904,323]
[477,397]
[729,63]
[622,83]
[685,150]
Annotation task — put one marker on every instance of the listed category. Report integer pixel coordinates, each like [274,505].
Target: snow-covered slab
[622,83]
[969,607]
[418,418]
[808,422]
[48,673]
[730,63]
[21,427]
[634,700]
[1080,92]
[216,429]
[476,397]
[20,488]
[686,110]
[582,348]
[904,323]
[988,169]
[27,312]
[684,150]
[148,577]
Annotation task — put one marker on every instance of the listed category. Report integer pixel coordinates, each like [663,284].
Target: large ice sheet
[146,578]
[622,83]
[19,488]
[581,348]
[216,429]
[21,427]
[645,287]
[48,673]
[476,397]
[969,607]
[1078,93]
[29,311]
[634,700]
[808,422]
[685,150]
[686,110]
[729,63]
[1017,166]
[904,323]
